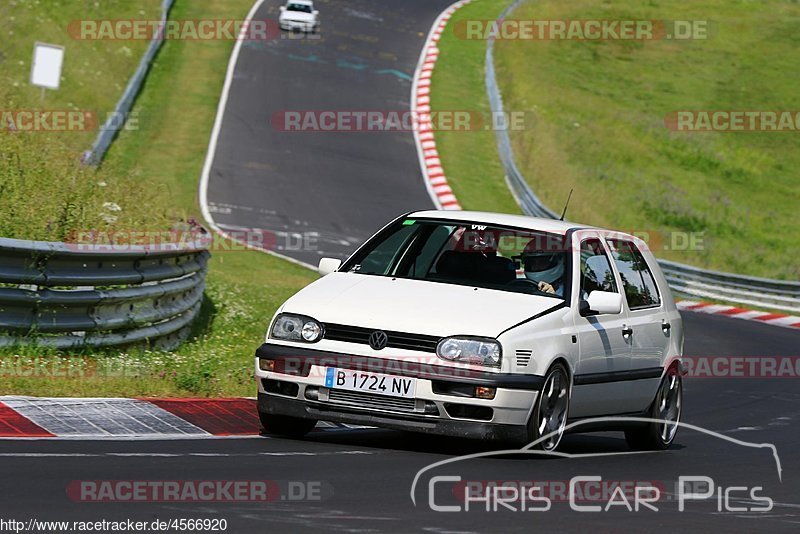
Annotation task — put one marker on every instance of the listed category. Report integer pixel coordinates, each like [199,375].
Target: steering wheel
[523,282]
[527,283]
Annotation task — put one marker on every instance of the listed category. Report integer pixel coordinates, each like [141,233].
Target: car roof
[501,219]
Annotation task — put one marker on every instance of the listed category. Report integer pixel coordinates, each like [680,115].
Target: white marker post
[46,68]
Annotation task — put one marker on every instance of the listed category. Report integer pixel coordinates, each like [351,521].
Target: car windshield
[303,8]
[463,253]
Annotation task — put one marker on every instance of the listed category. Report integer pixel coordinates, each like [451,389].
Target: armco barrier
[109,130]
[748,290]
[57,295]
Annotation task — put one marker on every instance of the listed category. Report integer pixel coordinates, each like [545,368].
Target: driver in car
[546,269]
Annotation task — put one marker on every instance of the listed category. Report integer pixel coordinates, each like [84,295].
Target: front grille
[370,401]
[397,340]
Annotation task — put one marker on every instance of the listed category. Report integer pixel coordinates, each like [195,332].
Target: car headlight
[483,351]
[296,328]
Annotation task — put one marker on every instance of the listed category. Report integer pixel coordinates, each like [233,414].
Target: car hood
[297,16]
[415,306]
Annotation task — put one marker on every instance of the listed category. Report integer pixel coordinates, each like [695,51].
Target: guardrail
[694,281]
[71,296]
[112,126]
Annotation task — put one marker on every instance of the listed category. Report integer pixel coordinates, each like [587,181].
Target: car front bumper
[297,25]
[297,388]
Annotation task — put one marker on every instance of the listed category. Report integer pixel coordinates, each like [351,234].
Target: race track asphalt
[333,188]
[360,479]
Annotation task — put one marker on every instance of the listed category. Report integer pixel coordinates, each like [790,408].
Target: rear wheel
[666,408]
[293,427]
[549,417]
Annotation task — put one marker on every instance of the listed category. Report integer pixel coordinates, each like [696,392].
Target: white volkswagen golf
[299,15]
[480,325]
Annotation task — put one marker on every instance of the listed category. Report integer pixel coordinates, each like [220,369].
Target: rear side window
[637,278]
[596,273]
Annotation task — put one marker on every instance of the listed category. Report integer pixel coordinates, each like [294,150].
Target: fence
[57,295]
[112,126]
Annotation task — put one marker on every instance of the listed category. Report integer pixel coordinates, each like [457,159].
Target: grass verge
[95,72]
[45,193]
[469,158]
[598,126]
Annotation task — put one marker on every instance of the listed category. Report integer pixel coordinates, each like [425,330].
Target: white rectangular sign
[47,62]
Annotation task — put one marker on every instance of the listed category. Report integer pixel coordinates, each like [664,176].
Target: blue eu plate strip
[329,377]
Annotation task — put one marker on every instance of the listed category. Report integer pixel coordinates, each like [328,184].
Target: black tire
[658,436]
[293,427]
[557,382]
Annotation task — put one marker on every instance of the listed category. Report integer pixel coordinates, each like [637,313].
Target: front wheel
[293,427]
[666,414]
[549,416]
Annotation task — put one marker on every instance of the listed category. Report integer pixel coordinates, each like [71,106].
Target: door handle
[665,326]
[627,331]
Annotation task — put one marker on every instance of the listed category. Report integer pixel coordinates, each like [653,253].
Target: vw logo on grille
[378,340]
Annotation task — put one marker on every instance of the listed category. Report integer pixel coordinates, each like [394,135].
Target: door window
[637,278]
[596,272]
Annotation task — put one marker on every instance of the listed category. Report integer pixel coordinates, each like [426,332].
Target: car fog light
[266,365]
[483,392]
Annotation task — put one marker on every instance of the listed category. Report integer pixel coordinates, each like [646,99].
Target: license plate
[366,382]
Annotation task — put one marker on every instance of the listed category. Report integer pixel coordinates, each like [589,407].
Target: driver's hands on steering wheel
[546,288]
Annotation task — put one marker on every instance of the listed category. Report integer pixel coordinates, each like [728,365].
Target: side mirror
[600,302]
[328,265]
[282,8]
[315,13]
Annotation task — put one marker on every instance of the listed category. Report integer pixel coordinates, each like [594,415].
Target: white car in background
[479,325]
[299,15]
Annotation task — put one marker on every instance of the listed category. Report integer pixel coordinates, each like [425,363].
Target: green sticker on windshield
[408,221]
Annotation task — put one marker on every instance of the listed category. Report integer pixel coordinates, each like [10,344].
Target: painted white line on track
[174,455]
[144,437]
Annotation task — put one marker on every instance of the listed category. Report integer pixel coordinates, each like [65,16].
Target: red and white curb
[776,319]
[432,172]
[120,418]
